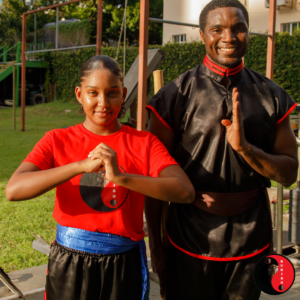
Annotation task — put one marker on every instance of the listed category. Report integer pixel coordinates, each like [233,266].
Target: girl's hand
[109,161]
[92,166]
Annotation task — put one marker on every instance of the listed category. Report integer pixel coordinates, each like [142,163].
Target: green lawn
[19,219]
[15,145]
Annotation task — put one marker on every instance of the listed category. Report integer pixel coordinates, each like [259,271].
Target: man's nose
[229,35]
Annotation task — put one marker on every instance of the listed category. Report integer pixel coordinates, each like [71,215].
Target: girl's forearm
[171,189]
[25,185]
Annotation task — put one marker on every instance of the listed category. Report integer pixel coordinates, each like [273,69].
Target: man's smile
[227,49]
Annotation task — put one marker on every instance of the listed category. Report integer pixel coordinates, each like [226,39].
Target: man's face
[225,36]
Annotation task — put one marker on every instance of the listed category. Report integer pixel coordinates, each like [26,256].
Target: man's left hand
[235,129]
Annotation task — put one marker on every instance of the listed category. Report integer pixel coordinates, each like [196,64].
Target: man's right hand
[158,263]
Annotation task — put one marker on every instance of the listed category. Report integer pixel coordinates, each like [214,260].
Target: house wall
[182,11]
[188,11]
[259,16]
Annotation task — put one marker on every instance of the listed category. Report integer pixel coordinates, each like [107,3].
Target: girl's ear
[124,93]
[78,94]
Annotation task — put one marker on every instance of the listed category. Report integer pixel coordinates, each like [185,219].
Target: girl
[100,169]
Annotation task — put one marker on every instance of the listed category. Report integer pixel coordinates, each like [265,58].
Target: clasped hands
[235,130]
[103,158]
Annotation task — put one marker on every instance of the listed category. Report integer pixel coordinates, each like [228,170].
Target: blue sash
[103,243]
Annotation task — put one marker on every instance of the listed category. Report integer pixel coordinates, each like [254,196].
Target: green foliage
[73,34]
[133,21]
[11,19]
[286,61]
[66,66]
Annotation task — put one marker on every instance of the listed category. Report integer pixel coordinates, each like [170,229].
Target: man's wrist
[246,150]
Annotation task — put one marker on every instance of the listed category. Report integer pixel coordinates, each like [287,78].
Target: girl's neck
[108,129]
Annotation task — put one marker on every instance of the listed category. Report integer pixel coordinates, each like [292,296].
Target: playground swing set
[145,64]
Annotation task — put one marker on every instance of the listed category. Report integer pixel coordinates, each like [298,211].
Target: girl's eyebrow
[95,87]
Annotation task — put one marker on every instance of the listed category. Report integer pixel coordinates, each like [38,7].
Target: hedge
[65,66]
[71,34]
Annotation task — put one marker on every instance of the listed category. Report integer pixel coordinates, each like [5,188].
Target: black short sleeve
[283,101]
[163,104]
[171,101]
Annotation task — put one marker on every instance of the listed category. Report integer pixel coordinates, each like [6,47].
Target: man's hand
[235,130]
[158,262]
[281,165]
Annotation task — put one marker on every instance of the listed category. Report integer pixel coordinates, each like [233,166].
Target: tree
[132,21]
[12,10]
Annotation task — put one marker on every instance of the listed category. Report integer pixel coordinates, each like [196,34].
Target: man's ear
[78,94]
[201,36]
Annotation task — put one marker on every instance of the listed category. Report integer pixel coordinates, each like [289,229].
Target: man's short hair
[220,3]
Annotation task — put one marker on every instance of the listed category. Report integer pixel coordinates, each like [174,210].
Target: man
[228,128]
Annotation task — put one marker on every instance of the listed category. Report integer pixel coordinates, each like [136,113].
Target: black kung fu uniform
[212,256]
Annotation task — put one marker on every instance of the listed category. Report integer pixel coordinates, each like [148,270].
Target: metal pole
[14,95]
[34,30]
[143,57]
[60,49]
[51,7]
[5,53]
[273,211]
[271,40]
[23,73]
[99,28]
[56,29]
[124,54]
[18,72]
[298,180]
[279,218]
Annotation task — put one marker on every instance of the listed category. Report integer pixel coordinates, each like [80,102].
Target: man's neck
[227,67]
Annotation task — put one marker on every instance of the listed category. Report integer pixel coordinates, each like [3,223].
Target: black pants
[196,279]
[78,275]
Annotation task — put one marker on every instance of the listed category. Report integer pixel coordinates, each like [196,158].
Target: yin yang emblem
[100,194]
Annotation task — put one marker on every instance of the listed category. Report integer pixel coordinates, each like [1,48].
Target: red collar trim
[221,71]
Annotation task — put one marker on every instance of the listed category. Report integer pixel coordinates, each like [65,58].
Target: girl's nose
[102,101]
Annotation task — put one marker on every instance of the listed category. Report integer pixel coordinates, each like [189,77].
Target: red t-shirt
[82,202]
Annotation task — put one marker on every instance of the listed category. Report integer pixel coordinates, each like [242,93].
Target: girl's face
[101,94]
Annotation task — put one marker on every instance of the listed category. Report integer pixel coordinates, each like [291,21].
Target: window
[289,27]
[180,38]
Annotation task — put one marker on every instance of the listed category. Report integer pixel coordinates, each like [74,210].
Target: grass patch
[15,145]
[19,219]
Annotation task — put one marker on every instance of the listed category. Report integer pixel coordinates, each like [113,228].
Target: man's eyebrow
[216,26]
[234,25]
[239,24]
